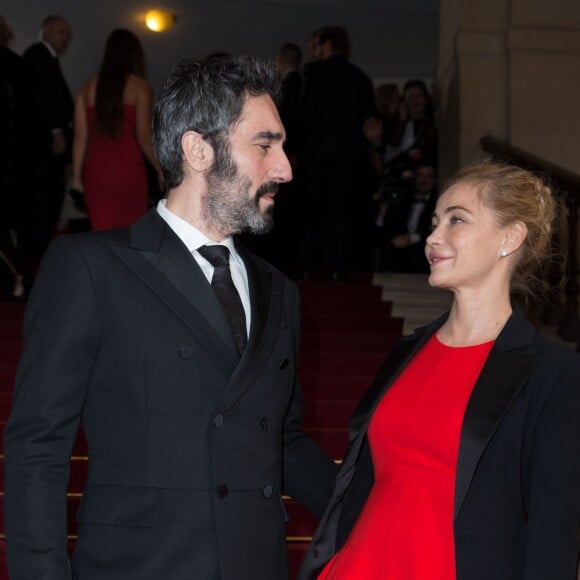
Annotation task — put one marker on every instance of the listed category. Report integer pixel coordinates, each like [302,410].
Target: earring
[504,252]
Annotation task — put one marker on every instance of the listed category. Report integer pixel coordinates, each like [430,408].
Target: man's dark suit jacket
[52,99]
[336,100]
[189,446]
[517,494]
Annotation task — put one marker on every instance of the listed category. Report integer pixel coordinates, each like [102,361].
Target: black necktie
[223,286]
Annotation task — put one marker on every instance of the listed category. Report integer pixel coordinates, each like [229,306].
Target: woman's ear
[515,236]
[197,152]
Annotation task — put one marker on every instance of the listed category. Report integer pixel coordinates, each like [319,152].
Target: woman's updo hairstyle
[515,194]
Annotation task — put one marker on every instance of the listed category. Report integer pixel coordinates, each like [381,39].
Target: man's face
[244,178]
[425,179]
[58,34]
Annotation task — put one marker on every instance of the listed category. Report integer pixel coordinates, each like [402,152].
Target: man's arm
[61,338]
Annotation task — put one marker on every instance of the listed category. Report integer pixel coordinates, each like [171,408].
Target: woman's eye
[455,219]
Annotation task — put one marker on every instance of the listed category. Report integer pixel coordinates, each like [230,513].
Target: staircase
[346,330]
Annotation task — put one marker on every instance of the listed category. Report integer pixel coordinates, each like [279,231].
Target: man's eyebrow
[270,135]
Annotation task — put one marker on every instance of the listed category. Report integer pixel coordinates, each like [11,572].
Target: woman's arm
[553,494]
[144,114]
[80,140]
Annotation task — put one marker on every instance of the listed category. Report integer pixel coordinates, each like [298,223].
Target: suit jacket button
[218,421]
[222,490]
[267,492]
[185,352]
[264,424]
[284,364]
[315,553]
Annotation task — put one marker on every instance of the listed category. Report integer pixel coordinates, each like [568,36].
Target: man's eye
[264,147]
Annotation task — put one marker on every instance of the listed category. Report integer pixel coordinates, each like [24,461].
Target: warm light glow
[159,20]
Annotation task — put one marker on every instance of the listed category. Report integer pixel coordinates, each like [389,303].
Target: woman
[112,134]
[464,453]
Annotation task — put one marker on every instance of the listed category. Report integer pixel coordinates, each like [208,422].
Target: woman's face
[464,250]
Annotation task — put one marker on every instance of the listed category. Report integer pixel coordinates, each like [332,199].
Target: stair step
[328,412]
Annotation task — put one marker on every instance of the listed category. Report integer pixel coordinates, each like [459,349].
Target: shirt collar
[50,49]
[190,235]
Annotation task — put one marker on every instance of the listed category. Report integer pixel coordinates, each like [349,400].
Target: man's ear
[515,236]
[197,152]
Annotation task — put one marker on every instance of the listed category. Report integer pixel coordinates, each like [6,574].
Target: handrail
[566,180]
[568,185]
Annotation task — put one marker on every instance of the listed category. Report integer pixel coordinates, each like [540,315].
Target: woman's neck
[474,321]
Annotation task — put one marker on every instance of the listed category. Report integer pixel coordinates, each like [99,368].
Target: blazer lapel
[266,287]
[159,258]
[504,374]
[395,363]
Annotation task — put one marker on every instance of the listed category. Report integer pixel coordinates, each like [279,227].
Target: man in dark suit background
[337,98]
[52,106]
[181,367]
[404,220]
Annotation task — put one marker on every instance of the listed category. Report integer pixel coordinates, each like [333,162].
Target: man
[337,98]
[14,143]
[405,220]
[53,112]
[190,430]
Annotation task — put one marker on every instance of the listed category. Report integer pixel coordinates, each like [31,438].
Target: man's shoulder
[35,51]
[91,242]
[9,58]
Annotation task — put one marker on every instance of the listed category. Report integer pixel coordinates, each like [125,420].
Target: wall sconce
[159,20]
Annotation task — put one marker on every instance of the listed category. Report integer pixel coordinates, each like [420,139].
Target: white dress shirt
[194,239]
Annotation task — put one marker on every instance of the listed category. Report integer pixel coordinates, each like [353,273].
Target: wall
[509,68]
[390,38]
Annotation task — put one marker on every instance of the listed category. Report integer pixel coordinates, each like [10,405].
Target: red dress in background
[114,175]
[405,530]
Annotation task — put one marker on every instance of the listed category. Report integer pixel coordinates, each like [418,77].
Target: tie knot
[216,255]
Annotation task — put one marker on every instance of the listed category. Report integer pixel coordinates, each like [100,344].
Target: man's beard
[228,204]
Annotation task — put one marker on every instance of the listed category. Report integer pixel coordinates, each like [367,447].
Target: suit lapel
[504,374]
[266,287]
[160,259]
[395,363]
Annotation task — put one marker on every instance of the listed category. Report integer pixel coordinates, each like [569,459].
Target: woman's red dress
[114,175]
[405,530]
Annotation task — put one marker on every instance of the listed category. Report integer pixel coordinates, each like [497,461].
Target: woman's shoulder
[135,88]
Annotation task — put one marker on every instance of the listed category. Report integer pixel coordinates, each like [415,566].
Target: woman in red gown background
[113,135]
[464,453]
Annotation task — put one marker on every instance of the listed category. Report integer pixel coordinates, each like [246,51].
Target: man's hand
[373,130]
[402,241]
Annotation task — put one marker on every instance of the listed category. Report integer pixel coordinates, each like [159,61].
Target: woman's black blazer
[516,512]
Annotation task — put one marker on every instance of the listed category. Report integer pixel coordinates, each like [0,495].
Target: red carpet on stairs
[346,331]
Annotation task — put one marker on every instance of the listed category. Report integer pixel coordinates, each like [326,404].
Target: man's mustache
[270,187]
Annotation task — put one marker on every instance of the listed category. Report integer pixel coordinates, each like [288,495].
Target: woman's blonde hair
[517,195]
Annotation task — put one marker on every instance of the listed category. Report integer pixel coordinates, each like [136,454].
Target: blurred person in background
[112,136]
